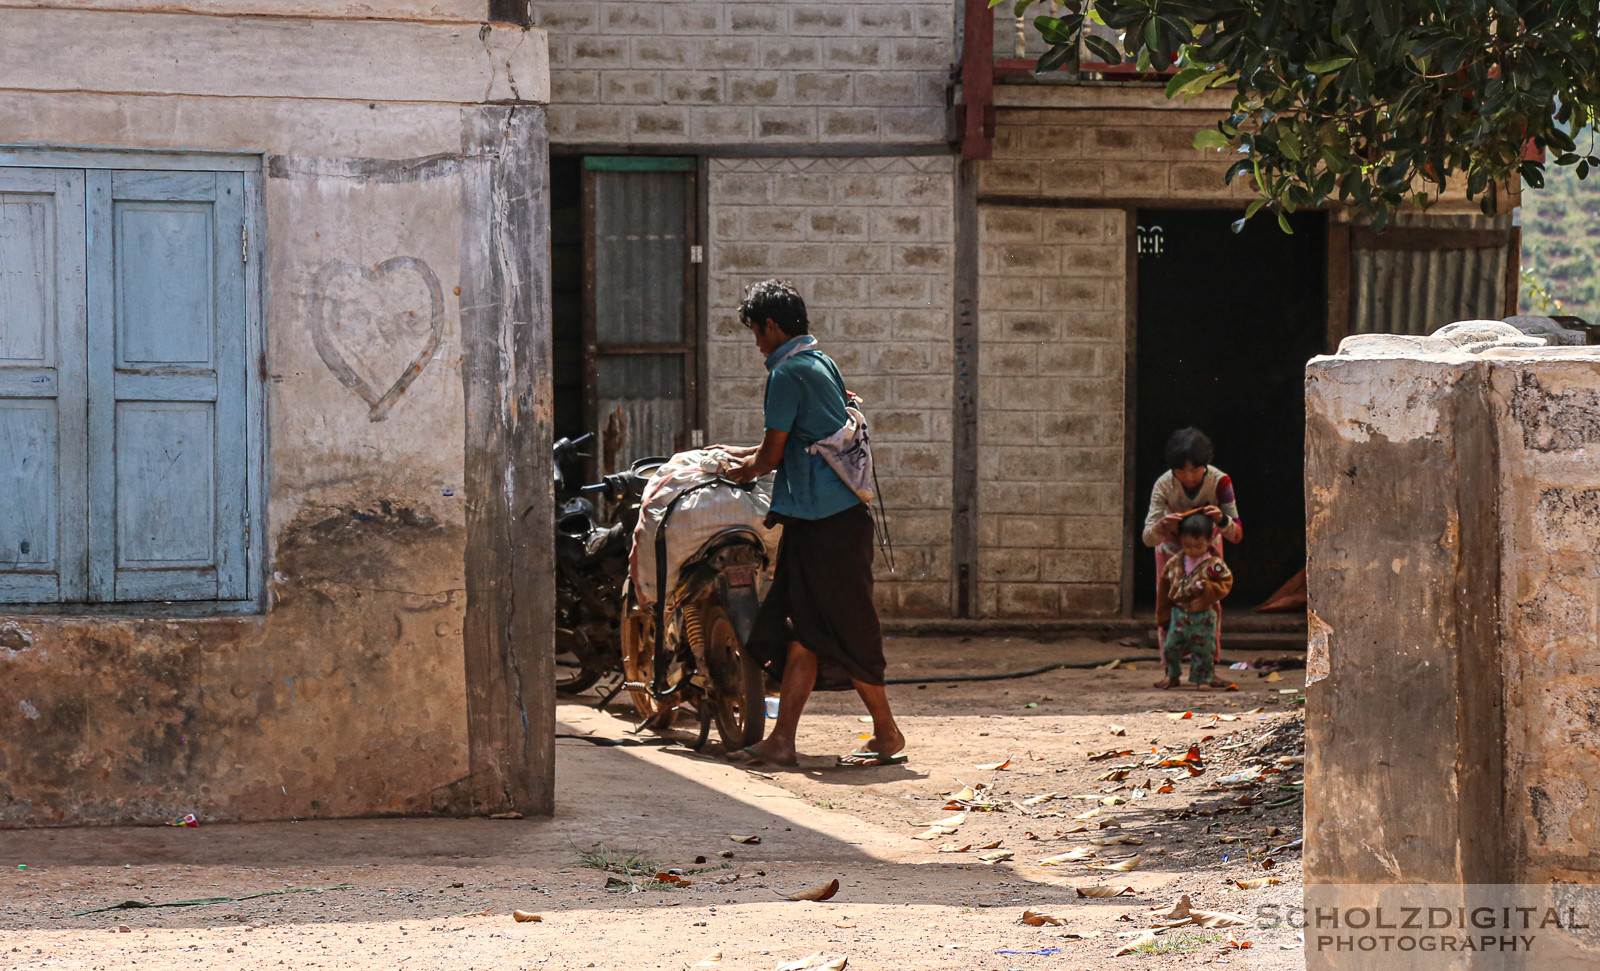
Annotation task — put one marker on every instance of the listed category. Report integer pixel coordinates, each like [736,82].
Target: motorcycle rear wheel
[638,652]
[737,698]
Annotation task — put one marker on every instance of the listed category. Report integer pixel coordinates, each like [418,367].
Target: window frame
[252,166]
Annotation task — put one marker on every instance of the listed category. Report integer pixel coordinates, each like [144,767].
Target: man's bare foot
[1167,683]
[765,752]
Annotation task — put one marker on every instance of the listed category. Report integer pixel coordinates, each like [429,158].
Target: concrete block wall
[1106,153]
[665,71]
[1051,319]
[870,244]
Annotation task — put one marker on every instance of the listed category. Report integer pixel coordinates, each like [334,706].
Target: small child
[1192,583]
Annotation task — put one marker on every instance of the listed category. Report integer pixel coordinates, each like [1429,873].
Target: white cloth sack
[848,451]
[712,504]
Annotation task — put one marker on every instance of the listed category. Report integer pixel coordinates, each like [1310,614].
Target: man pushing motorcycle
[817,628]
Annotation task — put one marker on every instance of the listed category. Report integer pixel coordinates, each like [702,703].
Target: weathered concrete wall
[449,11]
[869,242]
[1051,296]
[1452,520]
[1088,143]
[364,685]
[709,73]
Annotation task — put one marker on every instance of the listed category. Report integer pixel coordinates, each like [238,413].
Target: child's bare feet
[1167,683]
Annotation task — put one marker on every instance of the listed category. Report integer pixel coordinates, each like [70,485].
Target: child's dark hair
[1188,446]
[778,300]
[1198,525]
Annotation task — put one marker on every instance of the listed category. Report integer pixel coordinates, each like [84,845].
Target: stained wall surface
[1453,515]
[346,692]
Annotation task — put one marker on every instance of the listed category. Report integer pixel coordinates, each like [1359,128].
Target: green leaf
[1283,224]
[1328,66]
[1184,78]
[1152,34]
[1056,58]
[1210,138]
[1021,7]
[1254,207]
[1059,30]
[1103,49]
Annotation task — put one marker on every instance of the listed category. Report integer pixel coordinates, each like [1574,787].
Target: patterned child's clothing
[1193,633]
[1185,596]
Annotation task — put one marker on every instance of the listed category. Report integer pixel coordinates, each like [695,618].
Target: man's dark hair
[1198,525]
[778,300]
[1188,446]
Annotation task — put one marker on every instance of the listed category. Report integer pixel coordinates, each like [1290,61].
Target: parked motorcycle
[686,651]
[592,545]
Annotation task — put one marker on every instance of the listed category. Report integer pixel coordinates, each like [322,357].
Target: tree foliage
[1374,103]
[1561,245]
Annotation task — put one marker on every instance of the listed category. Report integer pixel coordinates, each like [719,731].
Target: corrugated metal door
[640,334]
[1415,278]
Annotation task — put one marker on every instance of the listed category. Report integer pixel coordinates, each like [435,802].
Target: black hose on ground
[1008,675]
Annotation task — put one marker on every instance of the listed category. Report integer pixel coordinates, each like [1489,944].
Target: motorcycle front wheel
[737,697]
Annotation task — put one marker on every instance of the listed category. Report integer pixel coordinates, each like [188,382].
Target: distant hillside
[1561,239]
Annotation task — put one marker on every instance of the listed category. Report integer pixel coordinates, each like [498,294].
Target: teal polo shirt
[805,397]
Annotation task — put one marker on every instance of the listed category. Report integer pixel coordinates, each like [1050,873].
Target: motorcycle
[592,567]
[686,651]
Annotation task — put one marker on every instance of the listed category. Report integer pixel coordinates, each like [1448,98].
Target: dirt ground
[438,893]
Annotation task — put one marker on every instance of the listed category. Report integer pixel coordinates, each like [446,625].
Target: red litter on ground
[187,819]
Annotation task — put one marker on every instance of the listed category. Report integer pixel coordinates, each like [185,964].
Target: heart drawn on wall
[344,297]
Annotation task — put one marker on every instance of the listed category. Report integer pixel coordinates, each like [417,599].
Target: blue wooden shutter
[43,507]
[168,466]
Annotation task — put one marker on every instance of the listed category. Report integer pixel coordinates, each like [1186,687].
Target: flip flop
[866,760]
[755,758]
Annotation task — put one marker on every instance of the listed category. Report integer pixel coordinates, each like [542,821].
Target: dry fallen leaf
[934,832]
[1180,715]
[1235,942]
[744,839]
[1257,883]
[821,891]
[991,846]
[1102,891]
[994,766]
[1088,815]
[1112,801]
[1121,866]
[1274,676]
[1148,937]
[1080,828]
[505,816]
[1108,754]
[954,848]
[1180,913]
[844,926]
[949,821]
[1032,836]
[523,916]
[1116,840]
[1115,775]
[814,962]
[864,719]
[1071,856]
[1110,665]
[1118,730]
[998,856]
[1035,919]
[710,960]
[1165,788]
[1110,822]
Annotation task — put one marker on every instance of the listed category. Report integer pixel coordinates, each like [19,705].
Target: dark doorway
[1226,323]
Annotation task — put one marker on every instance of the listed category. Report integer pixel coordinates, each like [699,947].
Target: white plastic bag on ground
[705,506]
